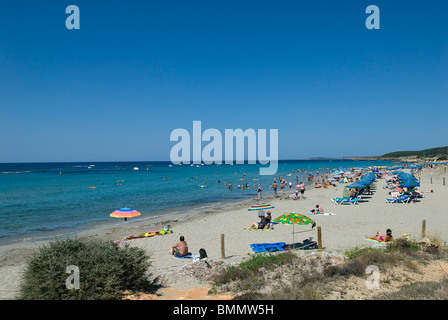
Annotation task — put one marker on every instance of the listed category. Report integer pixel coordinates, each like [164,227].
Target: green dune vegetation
[404,266]
[106,270]
[437,154]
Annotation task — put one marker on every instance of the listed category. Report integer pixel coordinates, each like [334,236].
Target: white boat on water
[136,168]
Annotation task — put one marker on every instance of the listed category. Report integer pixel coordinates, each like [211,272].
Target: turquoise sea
[38,199]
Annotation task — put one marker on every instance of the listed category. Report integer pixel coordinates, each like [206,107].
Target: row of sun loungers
[404,198]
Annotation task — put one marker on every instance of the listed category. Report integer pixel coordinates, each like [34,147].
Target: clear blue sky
[136,70]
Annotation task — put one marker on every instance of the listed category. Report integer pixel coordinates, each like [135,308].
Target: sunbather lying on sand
[180,249]
[382,238]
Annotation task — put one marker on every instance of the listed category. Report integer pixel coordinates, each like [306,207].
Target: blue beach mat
[268,247]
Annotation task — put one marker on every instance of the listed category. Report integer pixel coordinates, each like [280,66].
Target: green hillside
[423,153]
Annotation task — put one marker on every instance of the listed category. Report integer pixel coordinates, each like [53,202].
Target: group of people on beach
[180,249]
[300,188]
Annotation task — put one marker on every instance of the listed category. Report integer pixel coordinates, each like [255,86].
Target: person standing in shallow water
[259,192]
[274,187]
[302,190]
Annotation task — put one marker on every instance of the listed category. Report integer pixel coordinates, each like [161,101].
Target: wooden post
[223,254]
[423,228]
[443,180]
[319,238]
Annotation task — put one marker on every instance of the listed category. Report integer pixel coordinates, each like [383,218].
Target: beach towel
[164,231]
[268,247]
[148,234]
[376,241]
[323,214]
[188,256]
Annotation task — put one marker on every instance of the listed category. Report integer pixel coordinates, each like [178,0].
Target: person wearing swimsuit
[381,237]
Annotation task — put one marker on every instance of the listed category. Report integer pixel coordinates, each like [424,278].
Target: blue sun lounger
[268,247]
[400,199]
[346,200]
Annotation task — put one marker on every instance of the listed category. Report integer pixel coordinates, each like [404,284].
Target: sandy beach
[203,228]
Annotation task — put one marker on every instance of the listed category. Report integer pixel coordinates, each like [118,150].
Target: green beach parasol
[295,218]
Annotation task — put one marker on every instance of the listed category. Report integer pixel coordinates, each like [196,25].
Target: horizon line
[362,158]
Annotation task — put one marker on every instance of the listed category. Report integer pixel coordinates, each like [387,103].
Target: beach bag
[308,244]
[202,253]
[262,225]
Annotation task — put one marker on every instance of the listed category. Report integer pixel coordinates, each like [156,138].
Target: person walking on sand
[259,191]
